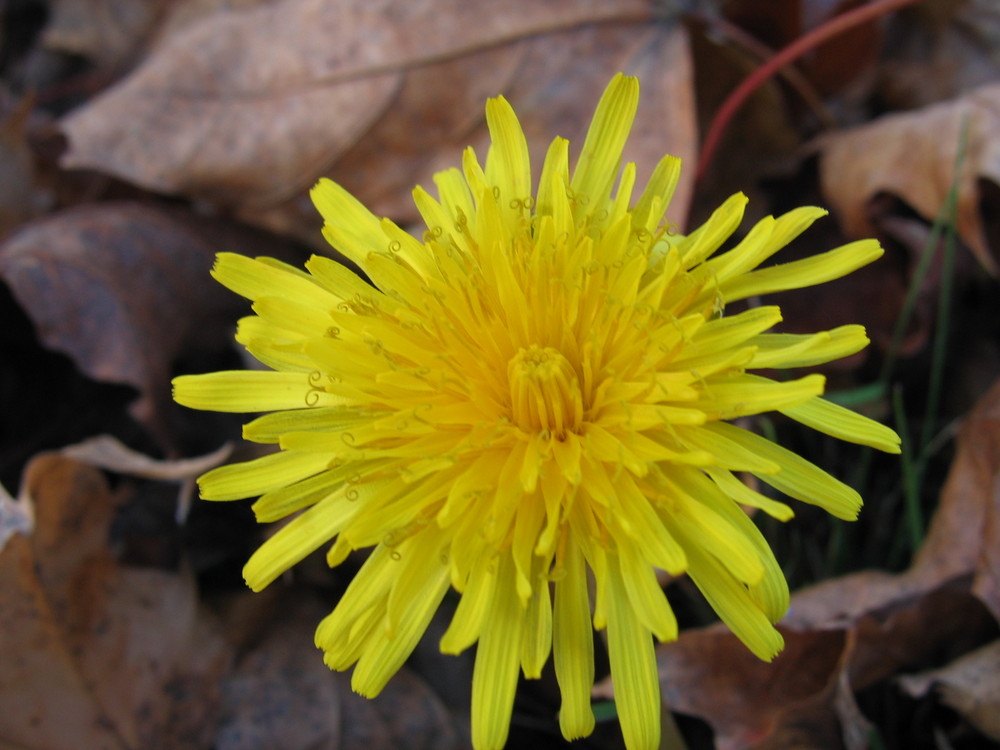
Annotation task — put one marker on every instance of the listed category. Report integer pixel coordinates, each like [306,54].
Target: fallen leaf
[550,89]
[940,49]
[281,694]
[124,291]
[870,629]
[970,685]
[98,655]
[108,33]
[16,517]
[251,130]
[964,535]
[106,452]
[710,674]
[912,156]
[22,196]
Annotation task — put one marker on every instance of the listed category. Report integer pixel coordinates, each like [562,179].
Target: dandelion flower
[536,394]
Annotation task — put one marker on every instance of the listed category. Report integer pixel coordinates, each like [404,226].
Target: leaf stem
[802,45]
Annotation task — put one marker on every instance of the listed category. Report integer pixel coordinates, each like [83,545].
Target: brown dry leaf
[246,107]
[804,698]
[912,156]
[708,673]
[16,516]
[848,633]
[22,197]
[97,655]
[553,82]
[940,49]
[281,694]
[107,452]
[105,32]
[124,289]
[970,685]
[964,536]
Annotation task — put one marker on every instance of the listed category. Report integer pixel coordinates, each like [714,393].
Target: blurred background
[140,137]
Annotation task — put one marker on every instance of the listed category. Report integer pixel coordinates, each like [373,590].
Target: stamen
[545,392]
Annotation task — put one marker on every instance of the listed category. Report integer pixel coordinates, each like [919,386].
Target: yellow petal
[252,390]
[844,424]
[467,621]
[708,238]
[723,334]
[573,645]
[537,642]
[810,271]
[633,666]
[415,596]
[498,657]
[746,496]
[507,164]
[644,593]
[256,477]
[796,477]
[742,395]
[766,238]
[805,350]
[300,537]
[602,149]
[350,227]
[734,604]
[660,188]
[283,501]
[259,277]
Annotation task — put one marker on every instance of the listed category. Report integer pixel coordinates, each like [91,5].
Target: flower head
[541,386]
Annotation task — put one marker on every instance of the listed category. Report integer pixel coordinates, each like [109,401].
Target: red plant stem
[792,52]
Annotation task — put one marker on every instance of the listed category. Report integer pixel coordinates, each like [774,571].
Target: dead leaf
[22,197]
[124,290]
[107,452]
[98,655]
[16,517]
[281,694]
[970,685]
[412,714]
[550,89]
[964,535]
[940,49]
[710,674]
[869,630]
[106,32]
[912,156]
[251,130]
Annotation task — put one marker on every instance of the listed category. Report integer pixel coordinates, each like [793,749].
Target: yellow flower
[540,387]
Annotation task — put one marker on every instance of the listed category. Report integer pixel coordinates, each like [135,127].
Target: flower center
[544,391]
